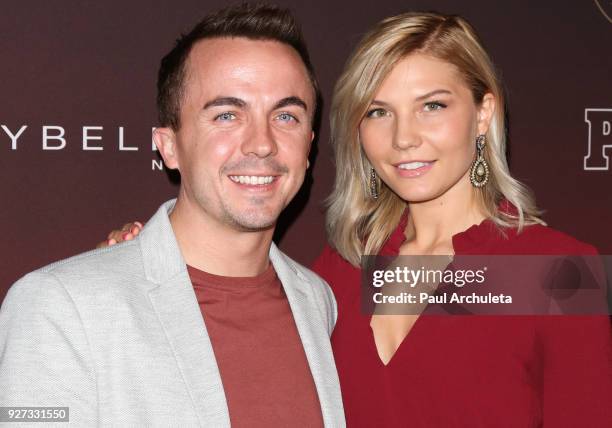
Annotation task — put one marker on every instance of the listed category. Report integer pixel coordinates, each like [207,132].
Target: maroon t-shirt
[263,367]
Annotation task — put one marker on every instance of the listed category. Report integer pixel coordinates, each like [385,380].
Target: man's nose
[259,140]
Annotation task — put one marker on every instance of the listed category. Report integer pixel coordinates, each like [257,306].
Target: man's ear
[165,141]
[312,136]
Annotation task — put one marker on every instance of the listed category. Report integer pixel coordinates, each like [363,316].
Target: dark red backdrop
[75,64]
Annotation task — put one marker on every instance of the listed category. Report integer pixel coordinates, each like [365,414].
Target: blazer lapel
[313,335]
[176,305]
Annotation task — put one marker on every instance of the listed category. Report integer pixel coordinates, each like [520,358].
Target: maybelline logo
[53,138]
[599,121]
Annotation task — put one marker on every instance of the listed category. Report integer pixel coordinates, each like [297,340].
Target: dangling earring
[479,172]
[373,184]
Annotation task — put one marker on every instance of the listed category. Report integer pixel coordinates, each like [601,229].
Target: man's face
[246,130]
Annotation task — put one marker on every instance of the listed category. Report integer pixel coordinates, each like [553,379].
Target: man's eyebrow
[291,101]
[225,101]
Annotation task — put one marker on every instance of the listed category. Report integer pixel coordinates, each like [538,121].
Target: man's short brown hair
[255,22]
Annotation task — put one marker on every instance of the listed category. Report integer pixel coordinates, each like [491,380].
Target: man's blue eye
[226,116]
[286,117]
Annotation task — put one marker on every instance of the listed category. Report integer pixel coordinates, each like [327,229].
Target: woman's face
[419,131]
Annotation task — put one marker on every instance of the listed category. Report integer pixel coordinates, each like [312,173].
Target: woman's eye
[377,112]
[286,117]
[225,116]
[434,105]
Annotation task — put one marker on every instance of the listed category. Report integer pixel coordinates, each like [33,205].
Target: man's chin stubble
[249,225]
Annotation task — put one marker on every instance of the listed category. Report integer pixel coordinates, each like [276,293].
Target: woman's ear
[486,110]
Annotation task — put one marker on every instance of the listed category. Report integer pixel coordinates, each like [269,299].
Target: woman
[419,138]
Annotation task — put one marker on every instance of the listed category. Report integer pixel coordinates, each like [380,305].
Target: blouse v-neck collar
[476,239]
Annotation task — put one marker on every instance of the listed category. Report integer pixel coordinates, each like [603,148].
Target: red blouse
[474,371]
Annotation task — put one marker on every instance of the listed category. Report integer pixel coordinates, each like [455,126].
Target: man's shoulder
[107,272]
[303,272]
[318,285]
[92,273]
[318,288]
[123,259]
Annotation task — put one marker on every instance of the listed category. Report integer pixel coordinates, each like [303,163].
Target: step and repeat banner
[77,108]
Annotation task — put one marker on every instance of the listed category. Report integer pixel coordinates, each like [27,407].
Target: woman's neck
[432,224]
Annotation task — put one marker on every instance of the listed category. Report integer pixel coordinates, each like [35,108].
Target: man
[201,320]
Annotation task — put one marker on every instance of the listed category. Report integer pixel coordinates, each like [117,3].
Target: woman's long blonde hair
[356,223]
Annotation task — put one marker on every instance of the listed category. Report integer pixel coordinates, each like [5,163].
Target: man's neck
[218,248]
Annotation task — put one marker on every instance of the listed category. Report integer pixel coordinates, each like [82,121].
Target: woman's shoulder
[334,269]
[536,238]
[540,239]
[490,238]
[329,260]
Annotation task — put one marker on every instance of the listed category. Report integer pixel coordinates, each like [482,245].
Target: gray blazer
[117,336]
